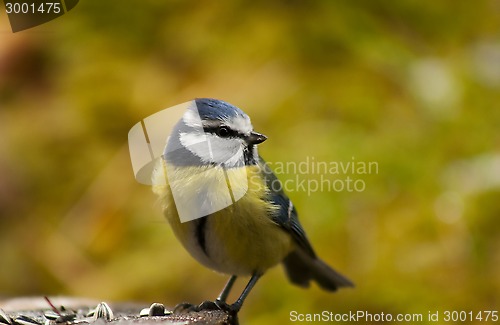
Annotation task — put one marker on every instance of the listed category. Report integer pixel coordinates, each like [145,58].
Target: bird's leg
[225,292]
[253,280]
[220,302]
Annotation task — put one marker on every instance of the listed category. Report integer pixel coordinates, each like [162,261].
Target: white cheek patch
[227,151]
[213,149]
[191,139]
[197,144]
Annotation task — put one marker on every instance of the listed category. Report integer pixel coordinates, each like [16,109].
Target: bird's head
[213,132]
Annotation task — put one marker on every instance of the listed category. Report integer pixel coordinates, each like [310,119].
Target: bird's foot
[224,306]
[230,310]
[208,305]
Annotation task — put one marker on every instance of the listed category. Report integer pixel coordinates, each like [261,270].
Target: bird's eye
[223,131]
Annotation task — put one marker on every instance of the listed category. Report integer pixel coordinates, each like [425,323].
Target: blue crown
[215,109]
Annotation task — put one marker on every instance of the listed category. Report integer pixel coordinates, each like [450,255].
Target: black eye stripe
[231,133]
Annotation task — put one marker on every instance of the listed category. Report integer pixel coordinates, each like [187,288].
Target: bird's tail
[302,268]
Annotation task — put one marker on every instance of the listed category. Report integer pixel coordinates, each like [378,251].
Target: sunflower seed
[156,309]
[50,315]
[4,319]
[103,311]
[23,320]
[144,312]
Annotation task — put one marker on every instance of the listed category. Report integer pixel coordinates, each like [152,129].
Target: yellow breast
[240,237]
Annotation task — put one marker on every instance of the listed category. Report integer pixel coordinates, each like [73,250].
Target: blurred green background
[412,85]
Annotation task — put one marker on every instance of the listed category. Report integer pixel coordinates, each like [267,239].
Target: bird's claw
[224,306]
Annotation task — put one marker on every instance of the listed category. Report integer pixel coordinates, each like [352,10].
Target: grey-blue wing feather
[286,216]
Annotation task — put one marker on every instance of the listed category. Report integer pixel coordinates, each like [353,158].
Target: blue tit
[211,149]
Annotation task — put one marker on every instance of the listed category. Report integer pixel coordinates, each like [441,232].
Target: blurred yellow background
[411,85]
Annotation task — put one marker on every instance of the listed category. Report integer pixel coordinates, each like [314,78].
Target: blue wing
[301,265]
